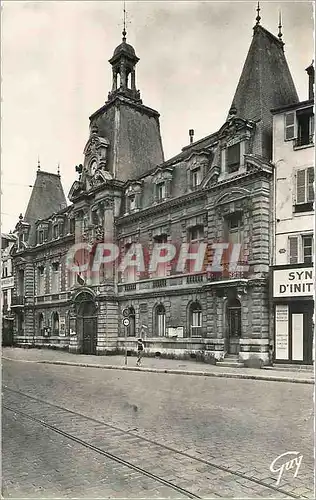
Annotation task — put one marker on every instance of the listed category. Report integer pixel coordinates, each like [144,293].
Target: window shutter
[300,186]
[289,126]
[293,247]
[310,184]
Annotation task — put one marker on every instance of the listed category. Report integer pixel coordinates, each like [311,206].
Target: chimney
[311,79]
[191,134]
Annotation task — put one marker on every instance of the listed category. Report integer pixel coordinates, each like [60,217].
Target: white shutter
[310,184]
[293,249]
[301,186]
[289,126]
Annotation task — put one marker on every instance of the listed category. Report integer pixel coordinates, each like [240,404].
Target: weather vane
[125,22]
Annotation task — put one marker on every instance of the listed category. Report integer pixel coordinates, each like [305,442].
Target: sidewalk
[156,365]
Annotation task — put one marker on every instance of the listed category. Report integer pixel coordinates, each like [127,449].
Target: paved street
[239,425]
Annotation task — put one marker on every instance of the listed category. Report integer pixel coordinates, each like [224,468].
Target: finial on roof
[21,217]
[124,24]
[258,18]
[38,164]
[280,34]
[58,169]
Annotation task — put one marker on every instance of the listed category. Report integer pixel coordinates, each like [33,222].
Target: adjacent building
[7,284]
[293,253]
[217,189]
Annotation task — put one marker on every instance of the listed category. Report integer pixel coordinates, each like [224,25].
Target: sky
[55,74]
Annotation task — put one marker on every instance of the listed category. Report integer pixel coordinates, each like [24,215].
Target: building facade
[216,190]
[293,256]
[7,284]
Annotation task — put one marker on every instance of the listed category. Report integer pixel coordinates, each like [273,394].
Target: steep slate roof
[266,81]
[47,198]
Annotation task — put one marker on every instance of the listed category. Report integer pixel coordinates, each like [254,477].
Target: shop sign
[7,282]
[295,282]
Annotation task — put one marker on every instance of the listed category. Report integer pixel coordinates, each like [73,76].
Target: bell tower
[123,64]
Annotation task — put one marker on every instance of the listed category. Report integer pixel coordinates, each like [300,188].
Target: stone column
[133,83]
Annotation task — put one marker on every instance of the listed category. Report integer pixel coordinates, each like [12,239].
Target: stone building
[293,250]
[7,284]
[217,189]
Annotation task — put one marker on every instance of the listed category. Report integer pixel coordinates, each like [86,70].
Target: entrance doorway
[233,326]
[87,323]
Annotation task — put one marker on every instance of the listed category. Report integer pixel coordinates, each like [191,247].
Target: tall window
[307,244]
[55,231]
[130,271]
[195,236]
[55,323]
[234,229]
[196,177]
[305,127]
[161,191]
[301,249]
[41,280]
[304,189]
[55,277]
[233,158]
[195,319]
[21,282]
[299,126]
[160,321]
[162,267]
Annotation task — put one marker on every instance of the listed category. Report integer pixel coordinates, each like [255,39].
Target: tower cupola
[123,64]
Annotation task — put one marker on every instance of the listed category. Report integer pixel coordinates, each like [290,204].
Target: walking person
[140,350]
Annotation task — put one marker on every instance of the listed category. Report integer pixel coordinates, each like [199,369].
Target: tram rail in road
[60,420]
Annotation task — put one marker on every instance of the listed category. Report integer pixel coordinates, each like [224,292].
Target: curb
[184,372]
[196,373]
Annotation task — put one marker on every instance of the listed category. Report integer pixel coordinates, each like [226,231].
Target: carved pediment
[236,129]
[162,174]
[199,159]
[234,200]
[96,148]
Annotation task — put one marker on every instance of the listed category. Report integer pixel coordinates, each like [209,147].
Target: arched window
[195,319]
[160,321]
[234,317]
[55,323]
[132,323]
[41,323]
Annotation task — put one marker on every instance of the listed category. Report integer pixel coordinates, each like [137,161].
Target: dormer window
[55,231]
[233,158]
[42,235]
[161,191]
[132,203]
[196,177]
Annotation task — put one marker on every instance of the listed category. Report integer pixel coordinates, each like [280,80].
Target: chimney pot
[311,80]
[191,134]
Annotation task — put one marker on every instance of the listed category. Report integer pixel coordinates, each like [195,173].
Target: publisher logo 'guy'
[281,464]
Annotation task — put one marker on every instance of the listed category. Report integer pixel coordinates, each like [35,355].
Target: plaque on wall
[281,331]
